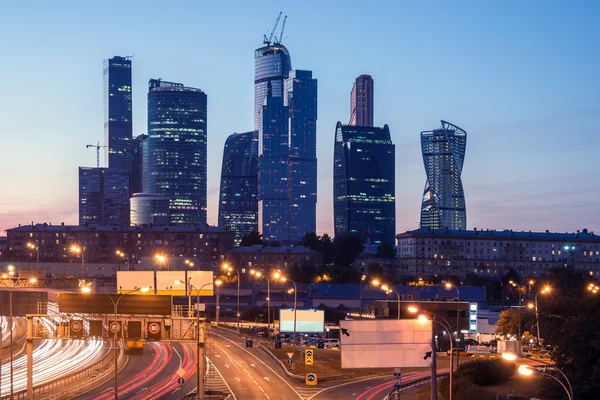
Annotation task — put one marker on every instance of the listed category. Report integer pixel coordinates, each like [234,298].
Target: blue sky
[522,78]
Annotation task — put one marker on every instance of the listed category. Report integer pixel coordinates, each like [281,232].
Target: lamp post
[37,257]
[237,271]
[362,280]
[545,290]
[199,343]
[446,325]
[13,283]
[80,250]
[142,289]
[526,370]
[515,285]
[277,275]
[259,275]
[123,256]
[389,289]
[449,286]
[510,356]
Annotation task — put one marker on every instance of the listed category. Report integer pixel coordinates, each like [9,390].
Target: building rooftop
[140,228]
[504,234]
[258,248]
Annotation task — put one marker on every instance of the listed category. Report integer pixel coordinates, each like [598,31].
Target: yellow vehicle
[461,353]
[134,346]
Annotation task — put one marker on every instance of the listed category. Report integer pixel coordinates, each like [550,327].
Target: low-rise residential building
[205,247]
[272,258]
[428,252]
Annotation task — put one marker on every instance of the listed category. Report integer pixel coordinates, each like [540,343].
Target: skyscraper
[300,97]
[443,198]
[104,196]
[137,176]
[238,201]
[272,63]
[273,155]
[361,102]
[364,183]
[176,144]
[118,128]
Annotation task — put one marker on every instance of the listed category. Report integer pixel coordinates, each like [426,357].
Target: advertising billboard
[131,280]
[163,282]
[386,343]
[307,321]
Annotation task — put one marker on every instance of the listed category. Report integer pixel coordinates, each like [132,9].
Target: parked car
[462,353]
[471,342]
[331,343]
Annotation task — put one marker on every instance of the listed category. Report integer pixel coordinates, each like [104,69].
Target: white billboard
[163,282]
[131,280]
[307,321]
[386,343]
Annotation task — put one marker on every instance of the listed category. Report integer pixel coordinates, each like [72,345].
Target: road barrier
[417,382]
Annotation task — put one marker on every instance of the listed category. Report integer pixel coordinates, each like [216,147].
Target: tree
[385,250]
[311,240]
[252,238]
[508,323]
[327,247]
[347,248]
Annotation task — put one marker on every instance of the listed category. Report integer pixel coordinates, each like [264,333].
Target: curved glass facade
[238,203]
[149,209]
[364,183]
[176,150]
[443,198]
[272,64]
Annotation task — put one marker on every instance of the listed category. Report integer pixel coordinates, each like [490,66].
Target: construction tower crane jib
[269,40]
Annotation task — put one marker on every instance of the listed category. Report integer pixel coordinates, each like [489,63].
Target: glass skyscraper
[272,63]
[149,209]
[104,196]
[361,101]
[364,183]
[443,198]
[118,128]
[300,97]
[238,201]
[176,147]
[273,155]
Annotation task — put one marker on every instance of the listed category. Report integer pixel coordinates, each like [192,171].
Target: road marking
[223,379]
[238,379]
[253,366]
[226,366]
[261,361]
[267,379]
[217,355]
[353,394]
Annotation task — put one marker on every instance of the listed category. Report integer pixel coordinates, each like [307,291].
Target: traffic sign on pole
[181,381]
[308,357]
[181,372]
[397,378]
[311,379]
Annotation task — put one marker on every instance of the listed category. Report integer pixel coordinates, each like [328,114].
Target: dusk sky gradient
[521,77]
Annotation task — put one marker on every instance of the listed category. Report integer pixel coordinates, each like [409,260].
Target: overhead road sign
[385,343]
[94,303]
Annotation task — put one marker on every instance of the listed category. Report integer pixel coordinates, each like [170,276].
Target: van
[331,343]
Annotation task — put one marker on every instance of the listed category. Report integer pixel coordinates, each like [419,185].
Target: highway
[52,359]
[250,373]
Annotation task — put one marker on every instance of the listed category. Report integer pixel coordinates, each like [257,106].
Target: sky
[522,78]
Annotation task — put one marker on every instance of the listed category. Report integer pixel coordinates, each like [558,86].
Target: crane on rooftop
[278,40]
[269,40]
[98,147]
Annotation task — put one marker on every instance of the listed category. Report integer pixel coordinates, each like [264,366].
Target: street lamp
[123,256]
[259,275]
[278,276]
[10,286]
[189,263]
[79,250]
[200,344]
[545,290]
[143,289]
[593,288]
[35,247]
[526,370]
[446,325]
[162,259]
[388,289]
[518,287]
[237,271]
[448,286]
[362,280]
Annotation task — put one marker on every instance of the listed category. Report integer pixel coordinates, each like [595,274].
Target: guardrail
[73,379]
[417,382]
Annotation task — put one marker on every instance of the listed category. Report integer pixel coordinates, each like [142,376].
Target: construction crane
[269,40]
[278,41]
[98,147]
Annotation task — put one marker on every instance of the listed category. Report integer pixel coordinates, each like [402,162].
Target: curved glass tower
[443,198]
[272,64]
[176,159]
[238,203]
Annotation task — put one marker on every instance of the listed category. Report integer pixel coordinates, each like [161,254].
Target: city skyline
[513,128]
